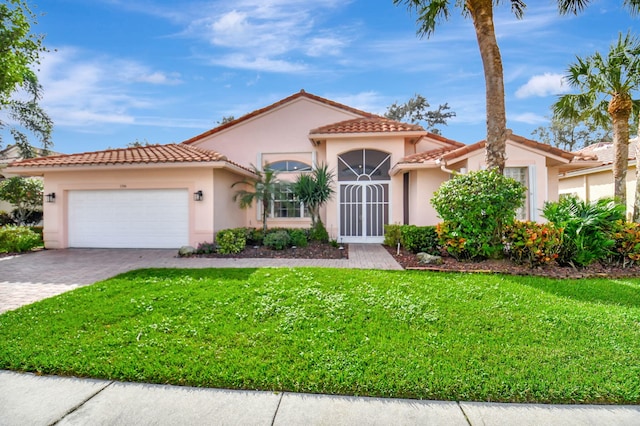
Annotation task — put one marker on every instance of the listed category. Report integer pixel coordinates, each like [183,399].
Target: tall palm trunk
[482,15]
[620,108]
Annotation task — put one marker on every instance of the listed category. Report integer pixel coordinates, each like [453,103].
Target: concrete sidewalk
[27,399]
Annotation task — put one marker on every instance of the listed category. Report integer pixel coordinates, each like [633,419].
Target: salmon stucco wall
[426,182]
[201,214]
[596,184]
[542,187]
[284,129]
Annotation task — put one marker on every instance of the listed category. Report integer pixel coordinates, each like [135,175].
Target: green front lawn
[379,333]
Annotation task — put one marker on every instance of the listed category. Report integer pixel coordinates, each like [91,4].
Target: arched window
[289,166]
[364,165]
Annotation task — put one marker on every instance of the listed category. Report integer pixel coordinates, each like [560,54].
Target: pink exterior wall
[284,129]
[543,188]
[279,134]
[591,185]
[201,214]
[422,186]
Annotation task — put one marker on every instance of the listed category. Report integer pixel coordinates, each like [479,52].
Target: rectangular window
[520,174]
[284,204]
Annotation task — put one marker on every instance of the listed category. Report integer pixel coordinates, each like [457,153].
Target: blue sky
[163,71]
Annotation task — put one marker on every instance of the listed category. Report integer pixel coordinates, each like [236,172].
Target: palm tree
[264,186]
[430,12]
[606,86]
[314,190]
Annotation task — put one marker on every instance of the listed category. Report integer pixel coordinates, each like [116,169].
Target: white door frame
[366,215]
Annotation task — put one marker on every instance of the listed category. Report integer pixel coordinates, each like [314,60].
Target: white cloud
[81,89]
[529,118]
[276,34]
[321,46]
[369,101]
[543,85]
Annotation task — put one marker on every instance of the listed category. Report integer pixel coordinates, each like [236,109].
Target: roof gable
[544,149]
[293,98]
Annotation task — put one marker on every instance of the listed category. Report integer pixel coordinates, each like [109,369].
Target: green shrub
[588,228]
[413,238]
[420,239]
[38,230]
[533,244]
[254,236]
[298,237]
[627,243]
[319,233]
[278,240]
[206,248]
[475,207]
[231,241]
[17,239]
[392,235]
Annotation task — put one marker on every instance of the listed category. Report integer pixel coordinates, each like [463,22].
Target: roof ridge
[301,94]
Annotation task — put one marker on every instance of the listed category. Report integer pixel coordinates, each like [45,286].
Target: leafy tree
[570,135]
[25,194]
[314,190]
[415,110]
[431,12]
[226,119]
[607,85]
[20,49]
[263,188]
[139,143]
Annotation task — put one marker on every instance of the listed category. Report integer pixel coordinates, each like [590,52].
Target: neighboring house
[596,181]
[177,194]
[7,156]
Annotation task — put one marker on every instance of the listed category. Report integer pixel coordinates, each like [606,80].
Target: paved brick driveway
[27,278]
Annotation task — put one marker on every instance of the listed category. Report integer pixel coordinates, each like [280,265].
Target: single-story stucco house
[179,194]
[596,181]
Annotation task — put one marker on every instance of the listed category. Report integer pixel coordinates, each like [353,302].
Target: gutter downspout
[443,167]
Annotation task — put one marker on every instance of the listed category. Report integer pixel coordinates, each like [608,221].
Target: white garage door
[131,218]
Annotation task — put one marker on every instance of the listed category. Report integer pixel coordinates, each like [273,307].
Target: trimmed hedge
[413,238]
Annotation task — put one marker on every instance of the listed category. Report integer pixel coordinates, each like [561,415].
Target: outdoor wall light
[51,198]
[197,196]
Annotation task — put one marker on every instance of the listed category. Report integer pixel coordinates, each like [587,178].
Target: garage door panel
[128,218]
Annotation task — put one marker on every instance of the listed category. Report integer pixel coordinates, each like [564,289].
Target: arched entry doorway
[363,178]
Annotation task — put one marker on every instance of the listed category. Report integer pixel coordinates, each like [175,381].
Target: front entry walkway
[31,277]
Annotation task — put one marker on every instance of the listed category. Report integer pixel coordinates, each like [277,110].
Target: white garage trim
[128,218]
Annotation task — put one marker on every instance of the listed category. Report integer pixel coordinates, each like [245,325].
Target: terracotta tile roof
[603,151]
[300,94]
[367,125]
[515,138]
[427,156]
[171,153]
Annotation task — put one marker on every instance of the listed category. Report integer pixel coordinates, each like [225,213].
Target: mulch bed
[314,250]
[409,260]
